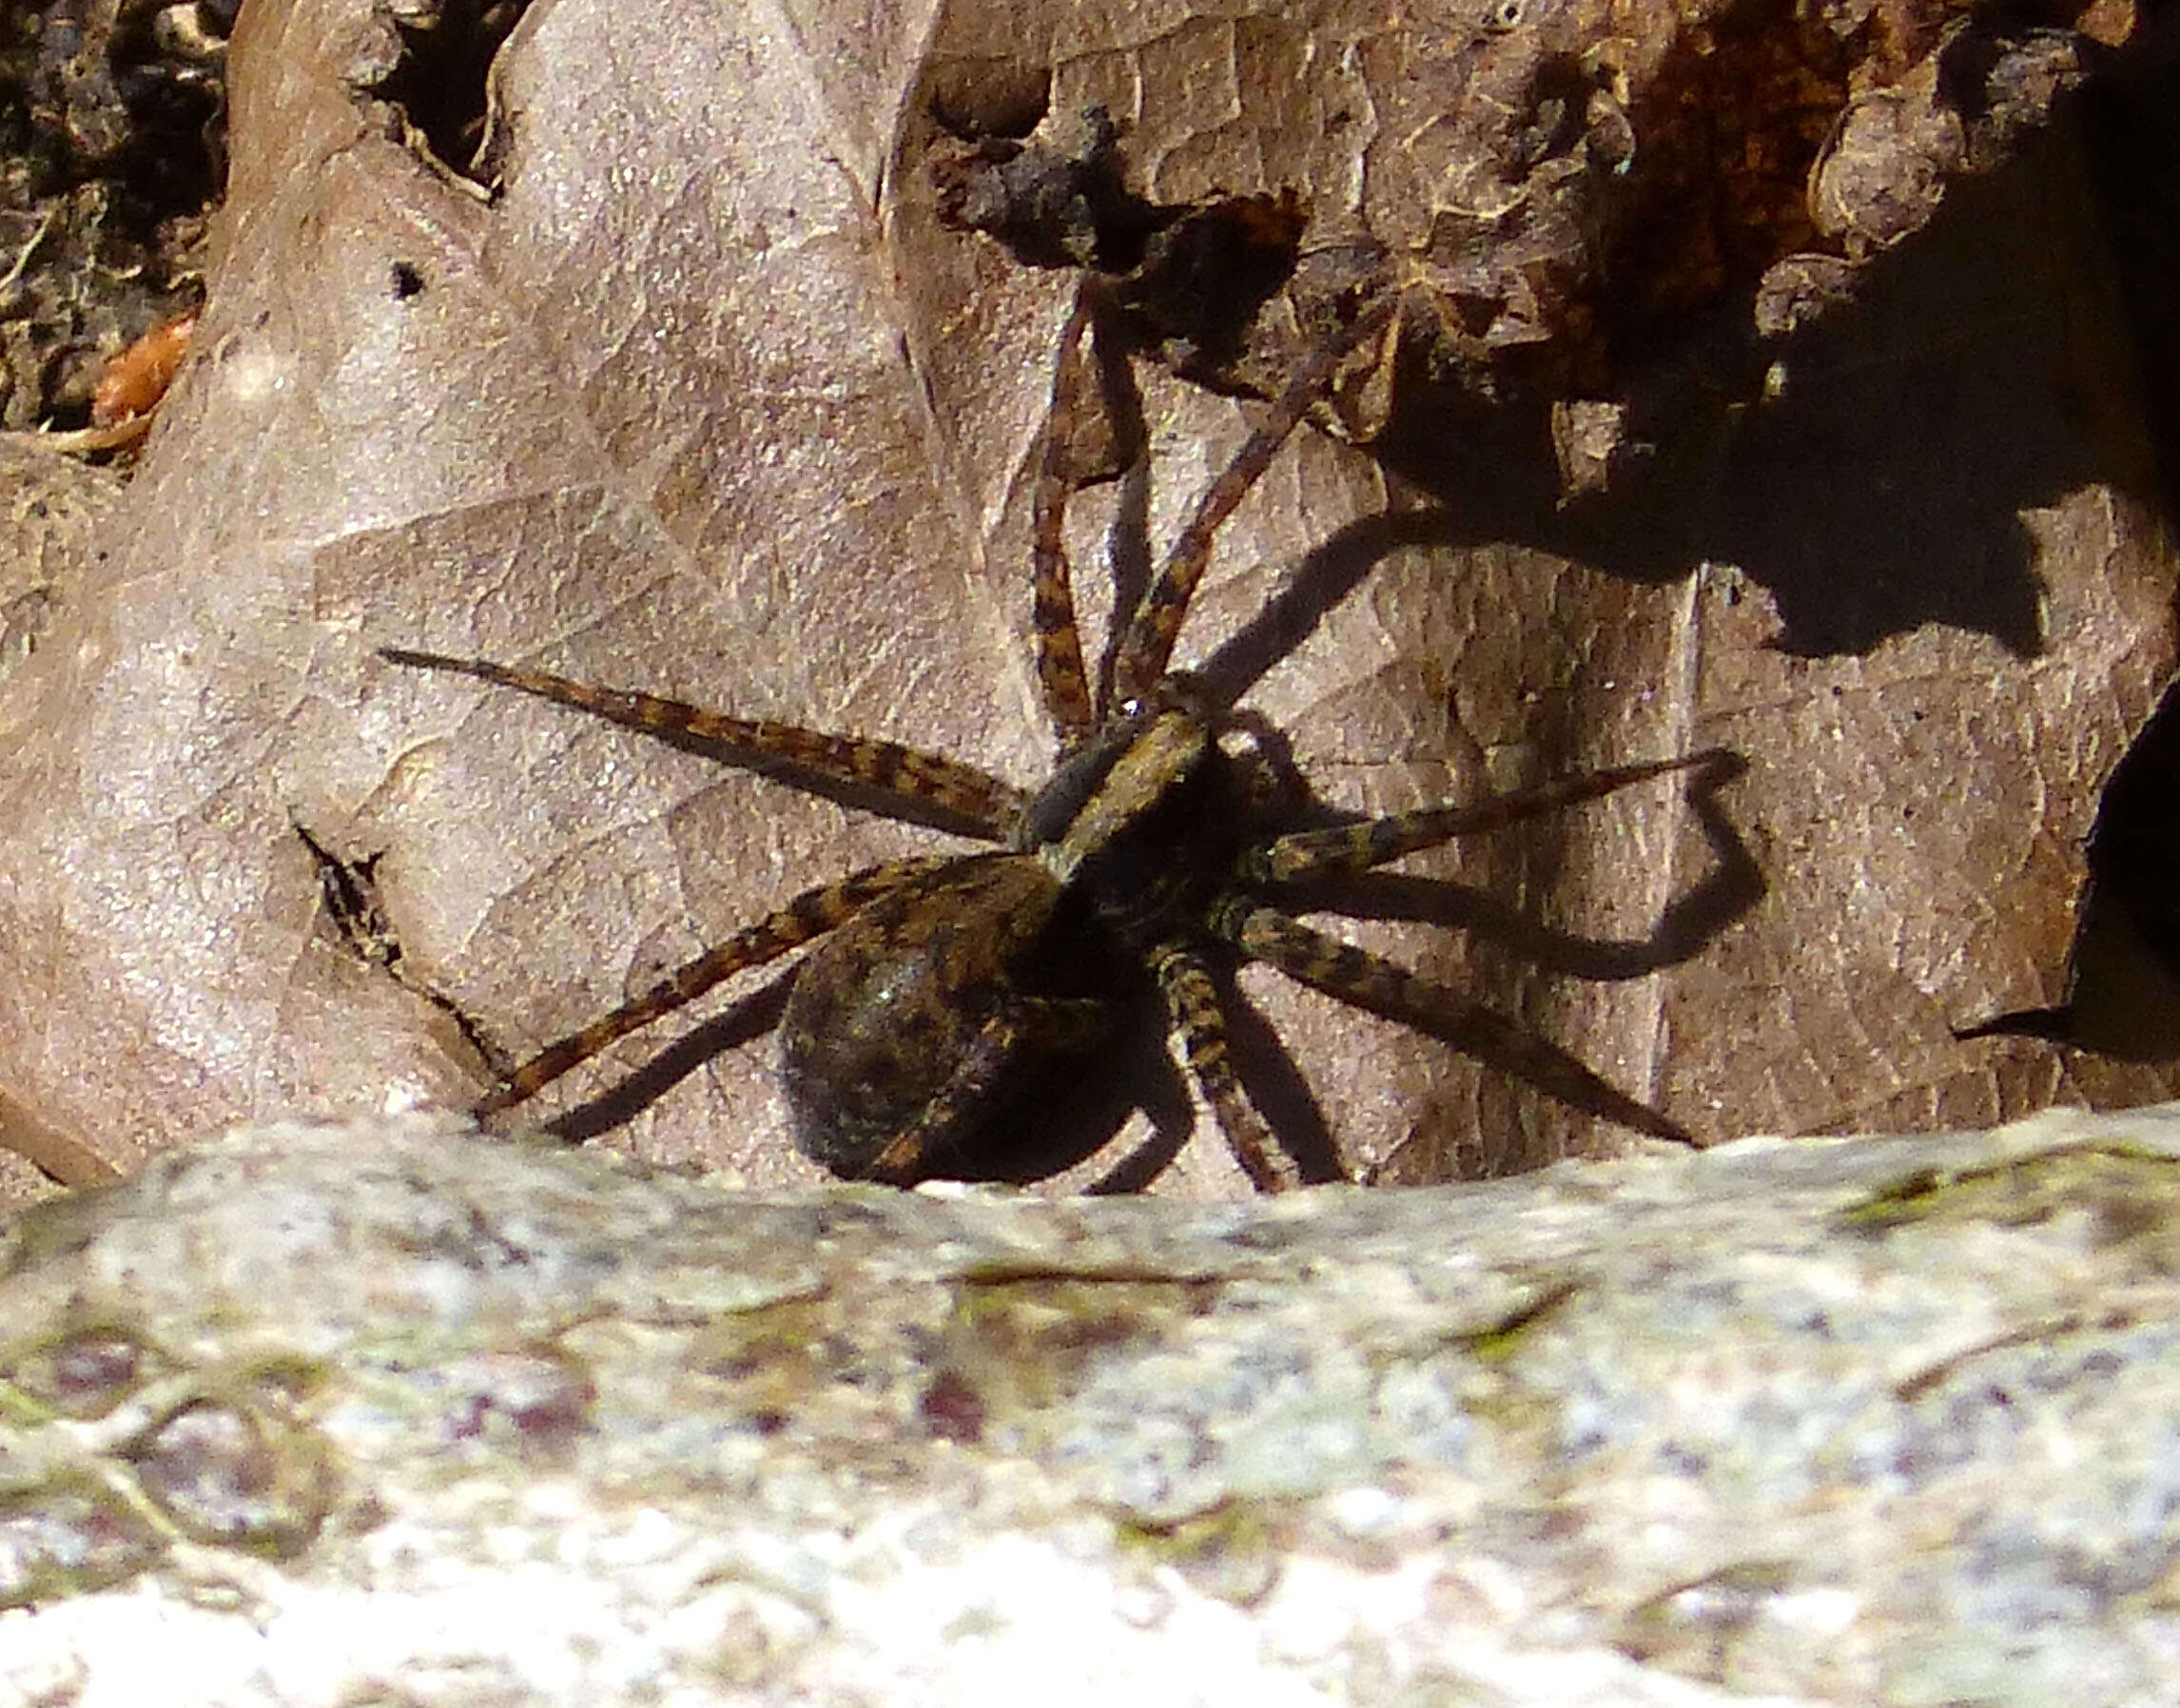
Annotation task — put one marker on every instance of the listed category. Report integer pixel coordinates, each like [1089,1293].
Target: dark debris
[112,155]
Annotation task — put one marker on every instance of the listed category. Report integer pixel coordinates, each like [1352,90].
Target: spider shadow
[1731,888]
[1326,575]
[1077,1114]
[1045,1118]
[745,1020]
[1275,1084]
[1051,1116]
[1689,921]
[1059,1118]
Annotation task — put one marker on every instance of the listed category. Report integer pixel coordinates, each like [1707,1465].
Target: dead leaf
[709,402]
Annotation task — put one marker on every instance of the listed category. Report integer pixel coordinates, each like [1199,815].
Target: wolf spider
[934,978]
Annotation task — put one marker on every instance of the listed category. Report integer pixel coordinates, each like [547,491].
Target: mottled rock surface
[382,1412]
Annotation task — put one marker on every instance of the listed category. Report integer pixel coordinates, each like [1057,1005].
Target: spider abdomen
[901,1019]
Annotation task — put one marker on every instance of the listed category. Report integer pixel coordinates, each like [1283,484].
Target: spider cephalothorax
[931,981]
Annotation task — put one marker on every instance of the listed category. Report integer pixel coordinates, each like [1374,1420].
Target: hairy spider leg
[1304,855]
[809,915]
[1052,1025]
[986,806]
[1147,647]
[1371,982]
[1199,1021]
[1058,636]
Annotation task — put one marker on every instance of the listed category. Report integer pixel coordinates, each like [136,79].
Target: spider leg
[1191,1000]
[1305,855]
[1026,1023]
[1371,982]
[985,805]
[1058,638]
[811,913]
[1148,644]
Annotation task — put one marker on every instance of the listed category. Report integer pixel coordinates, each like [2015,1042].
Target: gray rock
[384,1412]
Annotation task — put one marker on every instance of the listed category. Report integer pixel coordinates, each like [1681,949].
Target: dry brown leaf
[708,402]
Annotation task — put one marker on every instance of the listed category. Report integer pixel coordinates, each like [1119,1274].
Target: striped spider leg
[979,804]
